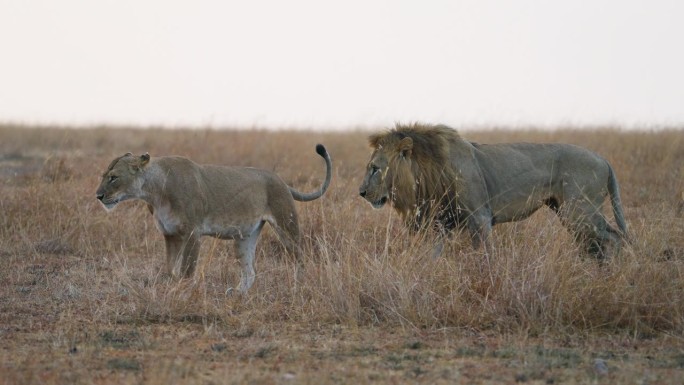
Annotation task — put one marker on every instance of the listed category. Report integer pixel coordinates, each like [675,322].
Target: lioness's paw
[235,293]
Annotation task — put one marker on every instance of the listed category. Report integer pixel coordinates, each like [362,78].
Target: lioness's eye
[374,169]
[112,178]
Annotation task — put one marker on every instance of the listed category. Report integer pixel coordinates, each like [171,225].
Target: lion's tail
[614,191]
[302,197]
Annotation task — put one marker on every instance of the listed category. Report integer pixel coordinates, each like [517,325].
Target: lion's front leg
[443,235]
[438,248]
[480,231]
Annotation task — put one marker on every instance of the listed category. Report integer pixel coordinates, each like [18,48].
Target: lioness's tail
[302,197]
[614,191]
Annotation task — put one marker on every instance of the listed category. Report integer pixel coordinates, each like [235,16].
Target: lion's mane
[429,188]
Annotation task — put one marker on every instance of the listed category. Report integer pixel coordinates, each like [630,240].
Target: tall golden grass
[67,263]
[361,265]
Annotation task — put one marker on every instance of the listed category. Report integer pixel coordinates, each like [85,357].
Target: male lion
[189,200]
[433,178]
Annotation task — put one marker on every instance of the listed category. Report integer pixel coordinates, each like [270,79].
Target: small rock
[600,367]
[289,376]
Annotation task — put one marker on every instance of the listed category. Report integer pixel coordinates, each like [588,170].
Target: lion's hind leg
[608,240]
[599,239]
[590,228]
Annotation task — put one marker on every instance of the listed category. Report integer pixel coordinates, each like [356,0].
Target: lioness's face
[122,180]
[374,187]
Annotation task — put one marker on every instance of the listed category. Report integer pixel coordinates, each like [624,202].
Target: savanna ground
[83,299]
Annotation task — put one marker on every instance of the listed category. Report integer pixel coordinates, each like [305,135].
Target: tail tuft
[320,149]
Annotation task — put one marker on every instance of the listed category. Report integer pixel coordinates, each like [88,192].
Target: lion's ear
[406,147]
[144,159]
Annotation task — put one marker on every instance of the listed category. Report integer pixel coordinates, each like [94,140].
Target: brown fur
[433,178]
[189,200]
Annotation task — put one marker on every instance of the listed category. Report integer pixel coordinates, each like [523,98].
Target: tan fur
[435,179]
[189,200]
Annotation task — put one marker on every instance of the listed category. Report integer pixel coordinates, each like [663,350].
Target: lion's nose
[362,193]
[100,196]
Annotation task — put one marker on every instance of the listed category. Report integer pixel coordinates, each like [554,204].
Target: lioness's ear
[144,159]
[406,147]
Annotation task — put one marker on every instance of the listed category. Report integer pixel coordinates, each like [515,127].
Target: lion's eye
[112,178]
[374,169]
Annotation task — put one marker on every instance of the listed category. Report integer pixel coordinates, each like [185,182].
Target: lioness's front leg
[181,254]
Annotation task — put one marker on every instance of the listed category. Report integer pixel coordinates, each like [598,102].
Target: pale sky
[336,64]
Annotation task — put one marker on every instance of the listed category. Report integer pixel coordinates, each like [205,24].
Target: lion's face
[374,187]
[388,171]
[122,180]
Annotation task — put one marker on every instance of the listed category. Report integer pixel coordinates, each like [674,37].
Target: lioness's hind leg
[246,248]
[286,225]
[290,243]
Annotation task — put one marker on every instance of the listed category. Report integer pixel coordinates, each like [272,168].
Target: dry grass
[83,300]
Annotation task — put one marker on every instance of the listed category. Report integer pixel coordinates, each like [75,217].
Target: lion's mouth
[379,203]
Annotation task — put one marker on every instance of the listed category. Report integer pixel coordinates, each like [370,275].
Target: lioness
[189,200]
[433,178]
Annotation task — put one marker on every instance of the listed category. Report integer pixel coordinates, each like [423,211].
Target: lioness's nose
[100,196]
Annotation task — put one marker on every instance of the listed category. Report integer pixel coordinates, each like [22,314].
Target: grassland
[83,299]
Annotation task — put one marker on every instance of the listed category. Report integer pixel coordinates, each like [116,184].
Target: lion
[189,200]
[434,179]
